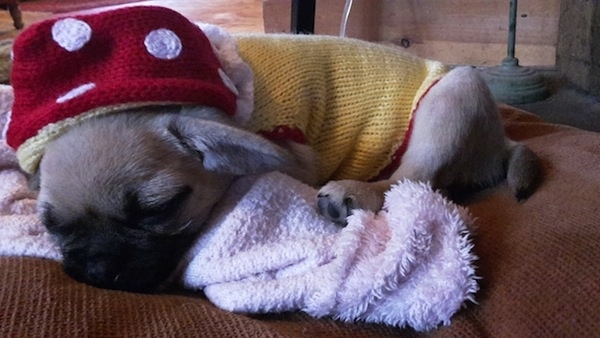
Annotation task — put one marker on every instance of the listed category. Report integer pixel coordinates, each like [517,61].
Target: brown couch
[538,260]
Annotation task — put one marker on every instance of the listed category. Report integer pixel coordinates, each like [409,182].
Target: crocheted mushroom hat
[69,69]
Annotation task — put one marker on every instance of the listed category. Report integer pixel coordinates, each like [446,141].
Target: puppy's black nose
[108,274]
[142,264]
[94,272]
[101,273]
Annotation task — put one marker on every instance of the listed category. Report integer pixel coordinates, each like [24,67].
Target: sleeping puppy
[126,194]
[135,145]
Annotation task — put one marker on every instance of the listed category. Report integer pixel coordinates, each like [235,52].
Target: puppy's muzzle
[115,273]
[125,266]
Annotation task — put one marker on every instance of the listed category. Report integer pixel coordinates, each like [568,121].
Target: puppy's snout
[100,272]
[123,267]
[112,256]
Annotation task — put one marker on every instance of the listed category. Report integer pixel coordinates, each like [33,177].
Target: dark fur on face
[125,195]
[123,254]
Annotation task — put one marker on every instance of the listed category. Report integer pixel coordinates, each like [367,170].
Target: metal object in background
[303,16]
[511,83]
[345,15]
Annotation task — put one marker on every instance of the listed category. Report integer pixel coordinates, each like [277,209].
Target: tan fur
[458,141]
[121,187]
[95,175]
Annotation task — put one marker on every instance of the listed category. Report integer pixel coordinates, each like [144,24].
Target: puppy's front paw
[337,199]
[336,208]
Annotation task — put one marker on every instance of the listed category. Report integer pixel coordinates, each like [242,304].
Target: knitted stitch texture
[69,69]
[350,100]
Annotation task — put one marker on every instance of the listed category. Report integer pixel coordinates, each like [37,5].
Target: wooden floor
[235,15]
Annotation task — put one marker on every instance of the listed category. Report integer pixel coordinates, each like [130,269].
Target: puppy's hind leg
[459,141]
[524,170]
[441,123]
[458,136]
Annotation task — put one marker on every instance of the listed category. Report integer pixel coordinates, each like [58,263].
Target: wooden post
[578,47]
[303,16]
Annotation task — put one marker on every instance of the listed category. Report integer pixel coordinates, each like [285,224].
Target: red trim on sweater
[284,133]
[387,172]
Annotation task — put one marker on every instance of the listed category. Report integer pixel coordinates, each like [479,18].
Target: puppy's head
[126,194]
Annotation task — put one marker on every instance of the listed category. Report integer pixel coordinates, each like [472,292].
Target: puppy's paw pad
[334,209]
[338,199]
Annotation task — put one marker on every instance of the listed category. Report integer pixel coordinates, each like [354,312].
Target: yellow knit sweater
[350,100]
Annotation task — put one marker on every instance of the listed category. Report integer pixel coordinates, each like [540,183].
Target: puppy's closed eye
[150,213]
[50,220]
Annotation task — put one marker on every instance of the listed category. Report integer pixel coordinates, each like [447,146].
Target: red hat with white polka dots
[72,68]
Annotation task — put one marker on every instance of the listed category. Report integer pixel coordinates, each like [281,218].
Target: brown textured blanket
[538,263]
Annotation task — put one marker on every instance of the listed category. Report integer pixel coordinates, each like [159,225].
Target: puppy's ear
[229,150]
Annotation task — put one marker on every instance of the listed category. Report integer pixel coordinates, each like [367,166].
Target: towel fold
[21,233]
[268,250]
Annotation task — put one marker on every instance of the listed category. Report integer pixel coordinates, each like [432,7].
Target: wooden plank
[578,51]
[474,21]
[454,31]
[481,54]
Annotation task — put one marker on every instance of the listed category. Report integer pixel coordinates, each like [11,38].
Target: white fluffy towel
[267,250]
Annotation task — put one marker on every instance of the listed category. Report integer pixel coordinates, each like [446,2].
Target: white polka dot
[75,92]
[227,81]
[163,44]
[71,34]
